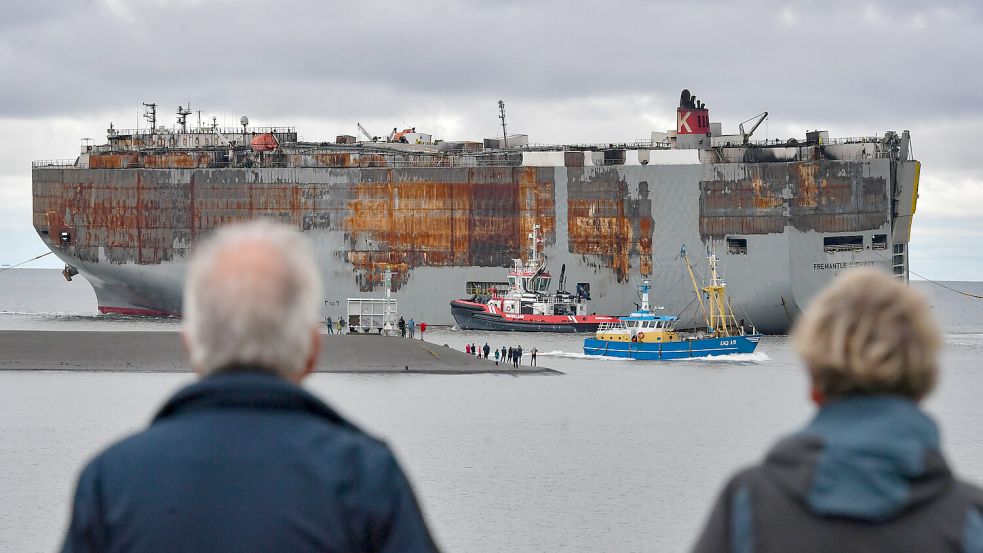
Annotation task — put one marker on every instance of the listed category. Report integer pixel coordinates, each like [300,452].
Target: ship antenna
[501,111]
[150,114]
[182,116]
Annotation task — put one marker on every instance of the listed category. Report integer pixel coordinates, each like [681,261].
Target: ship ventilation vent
[737,246]
[834,244]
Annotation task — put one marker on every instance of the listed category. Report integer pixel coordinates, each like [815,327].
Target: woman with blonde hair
[867,474]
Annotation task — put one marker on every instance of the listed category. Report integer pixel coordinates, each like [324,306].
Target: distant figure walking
[474,349]
[511,355]
[467,348]
[867,474]
[341,325]
[244,459]
[497,355]
[402,327]
[329,324]
[423,328]
[532,360]
[412,326]
[486,350]
[503,354]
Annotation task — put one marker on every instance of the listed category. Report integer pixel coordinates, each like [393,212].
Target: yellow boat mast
[717,312]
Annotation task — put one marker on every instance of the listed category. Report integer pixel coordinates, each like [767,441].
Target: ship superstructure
[445,218]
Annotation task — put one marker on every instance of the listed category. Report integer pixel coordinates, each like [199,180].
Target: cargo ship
[445,218]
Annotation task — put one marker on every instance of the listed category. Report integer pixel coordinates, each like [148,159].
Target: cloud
[569,72]
[839,60]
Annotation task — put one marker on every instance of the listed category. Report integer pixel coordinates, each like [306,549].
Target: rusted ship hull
[129,230]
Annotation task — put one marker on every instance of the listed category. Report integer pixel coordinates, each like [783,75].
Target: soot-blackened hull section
[765,198]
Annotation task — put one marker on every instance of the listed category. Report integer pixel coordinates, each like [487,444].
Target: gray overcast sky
[568,71]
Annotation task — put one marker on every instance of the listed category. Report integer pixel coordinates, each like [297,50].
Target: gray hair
[868,333]
[251,298]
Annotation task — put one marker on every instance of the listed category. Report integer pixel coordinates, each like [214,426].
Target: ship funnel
[692,123]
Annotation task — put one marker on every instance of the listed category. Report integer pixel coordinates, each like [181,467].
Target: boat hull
[471,316]
[661,351]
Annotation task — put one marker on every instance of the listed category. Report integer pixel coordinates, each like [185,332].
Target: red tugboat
[526,305]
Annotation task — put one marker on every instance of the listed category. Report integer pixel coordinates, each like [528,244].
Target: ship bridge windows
[737,246]
[879,242]
[564,309]
[832,244]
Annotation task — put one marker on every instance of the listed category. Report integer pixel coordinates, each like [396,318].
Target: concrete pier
[162,351]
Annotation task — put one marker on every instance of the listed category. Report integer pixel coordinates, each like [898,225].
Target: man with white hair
[245,460]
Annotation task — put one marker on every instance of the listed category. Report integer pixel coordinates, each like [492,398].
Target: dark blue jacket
[246,462]
[867,475]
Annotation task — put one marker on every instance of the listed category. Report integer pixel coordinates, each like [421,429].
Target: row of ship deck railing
[479,158]
[164,131]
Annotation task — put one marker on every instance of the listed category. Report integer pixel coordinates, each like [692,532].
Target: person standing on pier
[245,459]
[341,325]
[497,355]
[412,327]
[402,327]
[532,359]
[486,350]
[518,356]
[329,324]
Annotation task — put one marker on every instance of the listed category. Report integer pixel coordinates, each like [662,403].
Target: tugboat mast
[644,288]
[534,236]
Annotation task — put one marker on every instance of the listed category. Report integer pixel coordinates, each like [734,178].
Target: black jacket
[246,462]
[866,475]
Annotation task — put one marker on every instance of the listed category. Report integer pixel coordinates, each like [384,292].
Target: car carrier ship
[783,216]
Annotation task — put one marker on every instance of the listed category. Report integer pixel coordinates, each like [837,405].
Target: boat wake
[756,357]
[571,355]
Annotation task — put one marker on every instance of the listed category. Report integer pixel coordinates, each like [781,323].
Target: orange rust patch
[602,220]
[113,161]
[480,218]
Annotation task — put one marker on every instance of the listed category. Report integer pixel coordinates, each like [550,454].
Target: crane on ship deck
[758,119]
[367,134]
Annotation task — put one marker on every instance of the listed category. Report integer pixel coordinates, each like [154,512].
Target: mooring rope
[939,284]
[951,289]
[23,262]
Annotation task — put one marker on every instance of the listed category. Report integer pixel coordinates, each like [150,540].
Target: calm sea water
[613,456]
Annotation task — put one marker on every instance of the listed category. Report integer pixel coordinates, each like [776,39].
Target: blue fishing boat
[645,335]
